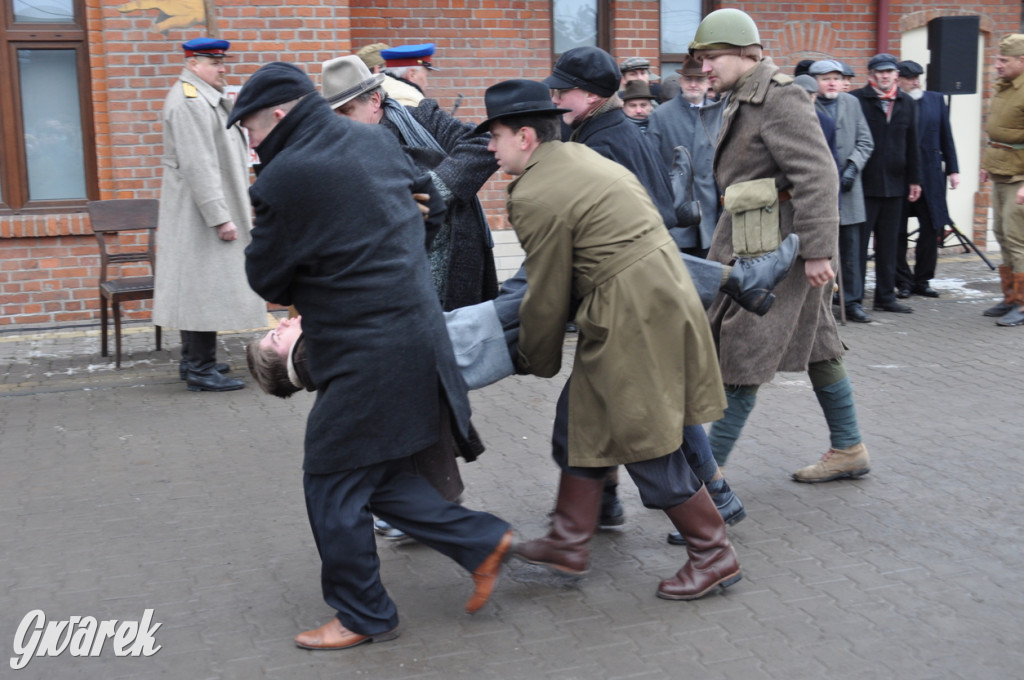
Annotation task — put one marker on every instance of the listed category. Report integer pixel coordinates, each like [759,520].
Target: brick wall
[48,263]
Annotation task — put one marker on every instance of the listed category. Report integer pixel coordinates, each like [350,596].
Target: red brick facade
[48,263]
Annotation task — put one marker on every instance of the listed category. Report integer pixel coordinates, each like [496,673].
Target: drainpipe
[882,26]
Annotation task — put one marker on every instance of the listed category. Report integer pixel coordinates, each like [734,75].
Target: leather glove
[849,176]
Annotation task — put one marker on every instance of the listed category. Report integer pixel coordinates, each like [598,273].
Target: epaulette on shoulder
[781,78]
[189,90]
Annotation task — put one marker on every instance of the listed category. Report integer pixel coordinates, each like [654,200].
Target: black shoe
[925,291]
[902,293]
[856,313]
[752,279]
[892,307]
[210,380]
[183,369]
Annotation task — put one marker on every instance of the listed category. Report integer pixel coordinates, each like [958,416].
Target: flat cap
[909,69]
[371,54]
[409,55]
[1012,45]
[807,82]
[206,47]
[823,66]
[272,84]
[803,66]
[883,62]
[588,68]
[634,63]
[847,70]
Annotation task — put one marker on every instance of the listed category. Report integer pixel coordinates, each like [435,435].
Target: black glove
[849,176]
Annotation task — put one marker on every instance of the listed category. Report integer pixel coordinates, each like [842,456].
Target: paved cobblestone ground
[121,491]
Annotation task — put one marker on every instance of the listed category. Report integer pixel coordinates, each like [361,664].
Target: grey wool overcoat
[770,129]
[200,279]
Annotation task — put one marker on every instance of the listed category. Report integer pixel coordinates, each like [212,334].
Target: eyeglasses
[561,93]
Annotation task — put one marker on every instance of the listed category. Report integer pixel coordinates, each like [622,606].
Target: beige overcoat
[200,279]
[645,361]
[769,129]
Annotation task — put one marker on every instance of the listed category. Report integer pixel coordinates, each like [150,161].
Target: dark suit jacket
[338,235]
[938,155]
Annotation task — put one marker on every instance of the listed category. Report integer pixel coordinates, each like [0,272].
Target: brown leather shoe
[486,575]
[333,635]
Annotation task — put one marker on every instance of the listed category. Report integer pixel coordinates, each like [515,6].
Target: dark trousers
[850,261]
[663,482]
[339,506]
[926,251]
[883,220]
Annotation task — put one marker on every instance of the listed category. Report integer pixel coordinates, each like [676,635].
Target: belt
[783,197]
[615,263]
[1011,147]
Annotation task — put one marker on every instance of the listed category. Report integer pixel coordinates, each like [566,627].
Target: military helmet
[725,28]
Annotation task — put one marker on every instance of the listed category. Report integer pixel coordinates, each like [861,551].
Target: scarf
[412,132]
[885,97]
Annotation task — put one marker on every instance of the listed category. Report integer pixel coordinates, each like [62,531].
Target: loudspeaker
[953,44]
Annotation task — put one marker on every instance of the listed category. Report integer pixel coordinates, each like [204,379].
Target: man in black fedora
[597,253]
[338,235]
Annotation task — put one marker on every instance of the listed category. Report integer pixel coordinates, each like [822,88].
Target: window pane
[53,124]
[44,11]
[575,23]
[679,21]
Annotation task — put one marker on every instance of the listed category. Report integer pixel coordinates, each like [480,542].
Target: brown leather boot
[1006,279]
[1015,317]
[572,526]
[712,562]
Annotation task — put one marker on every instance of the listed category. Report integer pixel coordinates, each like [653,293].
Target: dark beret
[272,84]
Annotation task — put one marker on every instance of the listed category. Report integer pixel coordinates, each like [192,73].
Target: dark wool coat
[895,162]
[469,275]
[613,136]
[770,130]
[676,123]
[338,234]
[938,154]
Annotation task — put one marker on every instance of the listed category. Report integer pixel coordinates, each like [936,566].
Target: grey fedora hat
[345,78]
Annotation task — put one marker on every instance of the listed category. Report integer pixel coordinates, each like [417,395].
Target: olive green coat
[1005,125]
[645,361]
[770,129]
[200,279]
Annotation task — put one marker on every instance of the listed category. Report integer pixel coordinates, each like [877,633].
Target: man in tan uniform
[1003,163]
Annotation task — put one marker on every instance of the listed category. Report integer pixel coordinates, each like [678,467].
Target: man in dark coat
[692,121]
[338,235]
[893,167]
[457,161]
[938,161]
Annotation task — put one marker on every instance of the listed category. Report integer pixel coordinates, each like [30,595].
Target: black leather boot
[752,279]
[202,374]
[183,364]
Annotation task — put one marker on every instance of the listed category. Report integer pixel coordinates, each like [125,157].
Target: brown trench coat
[645,362]
[770,130]
[200,279]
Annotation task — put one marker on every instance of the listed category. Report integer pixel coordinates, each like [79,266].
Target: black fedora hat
[516,98]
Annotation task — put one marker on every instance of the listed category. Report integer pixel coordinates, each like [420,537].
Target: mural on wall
[173,13]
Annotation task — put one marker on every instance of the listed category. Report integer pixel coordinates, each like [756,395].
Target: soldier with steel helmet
[778,178]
